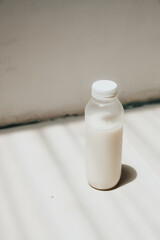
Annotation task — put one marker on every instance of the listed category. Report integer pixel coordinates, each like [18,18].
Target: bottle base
[102,189]
[105,189]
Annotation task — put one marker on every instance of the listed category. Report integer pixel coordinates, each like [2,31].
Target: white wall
[52,50]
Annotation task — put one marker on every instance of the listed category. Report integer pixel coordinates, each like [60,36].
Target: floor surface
[44,194]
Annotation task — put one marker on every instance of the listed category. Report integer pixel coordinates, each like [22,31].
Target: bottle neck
[106,100]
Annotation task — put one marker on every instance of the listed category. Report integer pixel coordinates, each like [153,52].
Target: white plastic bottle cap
[104,89]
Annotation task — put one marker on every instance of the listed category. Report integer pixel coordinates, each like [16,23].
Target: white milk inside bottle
[103,130]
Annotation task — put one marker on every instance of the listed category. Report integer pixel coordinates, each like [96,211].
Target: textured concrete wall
[52,51]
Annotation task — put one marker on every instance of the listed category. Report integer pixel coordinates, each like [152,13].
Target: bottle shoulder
[104,115]
[114,106]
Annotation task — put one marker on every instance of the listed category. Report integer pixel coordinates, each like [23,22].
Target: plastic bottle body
[103,130]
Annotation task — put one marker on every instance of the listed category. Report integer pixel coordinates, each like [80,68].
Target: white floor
[44,194]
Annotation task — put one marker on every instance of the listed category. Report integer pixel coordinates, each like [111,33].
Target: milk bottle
[103,131]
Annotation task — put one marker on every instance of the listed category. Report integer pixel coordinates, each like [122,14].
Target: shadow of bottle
[128,175]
